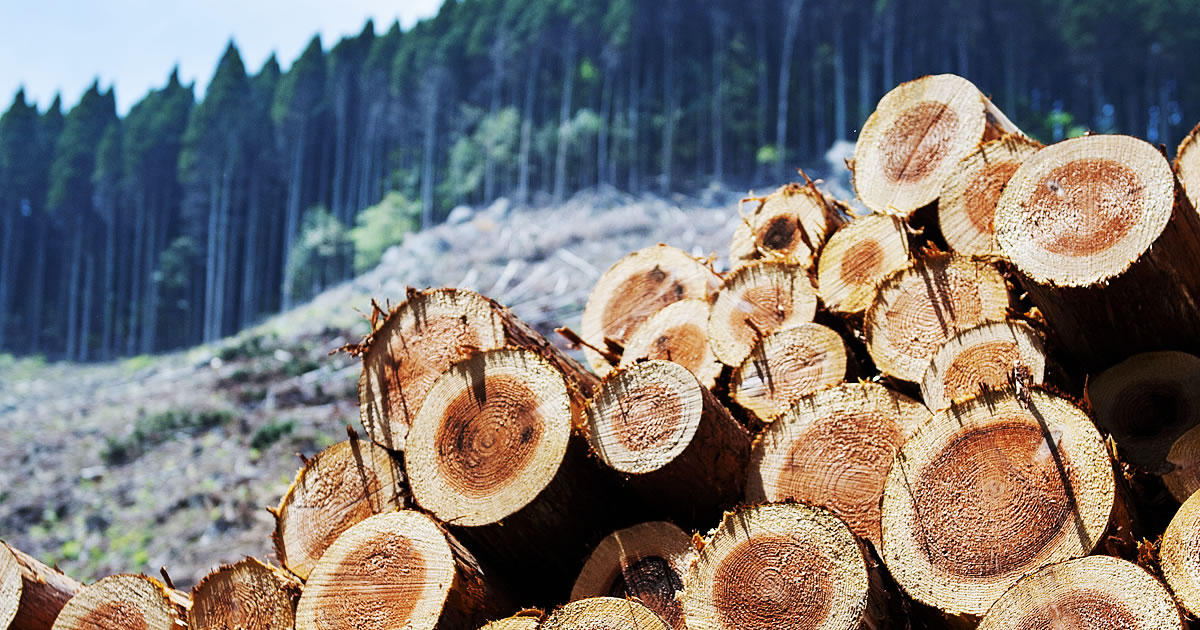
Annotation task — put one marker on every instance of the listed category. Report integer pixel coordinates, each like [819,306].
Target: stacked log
[1179,555]
[247,595]
[122,601]
[677,332]
[790,224]
[967,204]
[755,301]
[786,365]
[31,593]
[989,356]
[857,258]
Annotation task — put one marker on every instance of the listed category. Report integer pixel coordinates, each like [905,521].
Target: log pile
[976,406]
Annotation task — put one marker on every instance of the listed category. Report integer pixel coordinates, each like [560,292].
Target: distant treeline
[185,221]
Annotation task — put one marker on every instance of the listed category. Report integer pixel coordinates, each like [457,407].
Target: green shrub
[382,226]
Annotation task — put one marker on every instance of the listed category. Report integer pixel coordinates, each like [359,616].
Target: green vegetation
[150,431]
[382,226]
[271,432]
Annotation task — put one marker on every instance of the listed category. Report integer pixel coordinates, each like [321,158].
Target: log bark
[1088,592]
[857,258]
[122,601]
[994,355]
[647,561]
[399,569]
[418,340]
[967,204]
[633,289]
[1101,235]
[833,449]
[246,595]
[915,139]
[31,593]
[991,490]
[782,566]
[336,489]
[604,612]
[1187,165]
[790,225]
[787,365]
[677,332]
[755,301]
[923,305]
[1179,555]
[679,448]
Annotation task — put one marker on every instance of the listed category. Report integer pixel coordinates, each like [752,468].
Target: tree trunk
[787,365]
[109,293]
[248,595]
[602,136]
[155,241]
[670,94]
[755,301]
[34,593]
[865,100]
[564,113]
[75,267]
[839,79]
[498,52]
[85,321]
[291,224]
[6,264]
[431,101]
[790,25]
[857,258]
[114,599]
[527,126]
[719,24]
[635,73]
[888,53]
[37,290]
[138,276]
[763,76]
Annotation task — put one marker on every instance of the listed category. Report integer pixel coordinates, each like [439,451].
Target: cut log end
[530,621]
[337,488]
[677,332]
[1183,465]
[247,595]
[857,258]
[1187,165]
[833,449]
[786,365]
[31,593]
[990,490]
[1082,211]
[604,613]
[1092,592]
[923,305]
[11,586]
[967,204]
[489,437]
[647,562]
[635,288]
[121,602]
[990,356]
[1179,555]
[790,225]
[754,302]
[778,566]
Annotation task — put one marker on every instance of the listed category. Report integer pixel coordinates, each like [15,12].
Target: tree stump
[967,204]
[990,356]
[121,602]
[790,225]
[31,593]
[857,258]
[604,613]
[755,301]
[246,595]
[677,332]
[786,365]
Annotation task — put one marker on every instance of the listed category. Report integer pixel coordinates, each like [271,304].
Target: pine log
[921,306]
[682,451]
[790,225]
[399,570]
[989,356]
[529,619]
[677,332]
[1146,403]
[420,338]
[494,454]
[1179,555]
[337,488]
[993,489]
[31,593]
[604,613]
[857,258]
[633,289]
[786,365]
[782,566]
[122,602]
[917,136]
[1093,592]
[647,561]
[833,449]
[1187,166]
[1105,243]
[755,301]
[1182,478]
[967,204]
[246,595]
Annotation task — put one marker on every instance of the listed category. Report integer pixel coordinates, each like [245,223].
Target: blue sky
[62,45]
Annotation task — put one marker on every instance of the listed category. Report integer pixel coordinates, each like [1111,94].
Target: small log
[967,204]
[1101,235]
[790,224]
[1187,165]
[677,332]
[923,305]
[1147,402]
[604,613]
[857,258]
[420,338]
[786,365]
[529,619]
[990,356]
[633,289]
[1092,592]
[755,301]
[682,451]
[1179,555]
[246,595]
[31,593]
[337,488]
[782,566]
[917,136]
[399,570]
[1183,465]
[122,602]
[647,561]
[993,489]
[833,449]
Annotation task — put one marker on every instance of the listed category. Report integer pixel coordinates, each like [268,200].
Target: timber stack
[975,406]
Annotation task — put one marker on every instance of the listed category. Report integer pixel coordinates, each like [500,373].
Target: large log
[677,332]
[917,136]
[857,258]
[786,365]
[246,595]
[1092,592]
[790,224]
[1105,243]
[399,570]
[681,450]
[755,301]
[122,602]
[31,593]
[1179,555]
[967,205]
[604,613]
[990,356]
[993,489]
